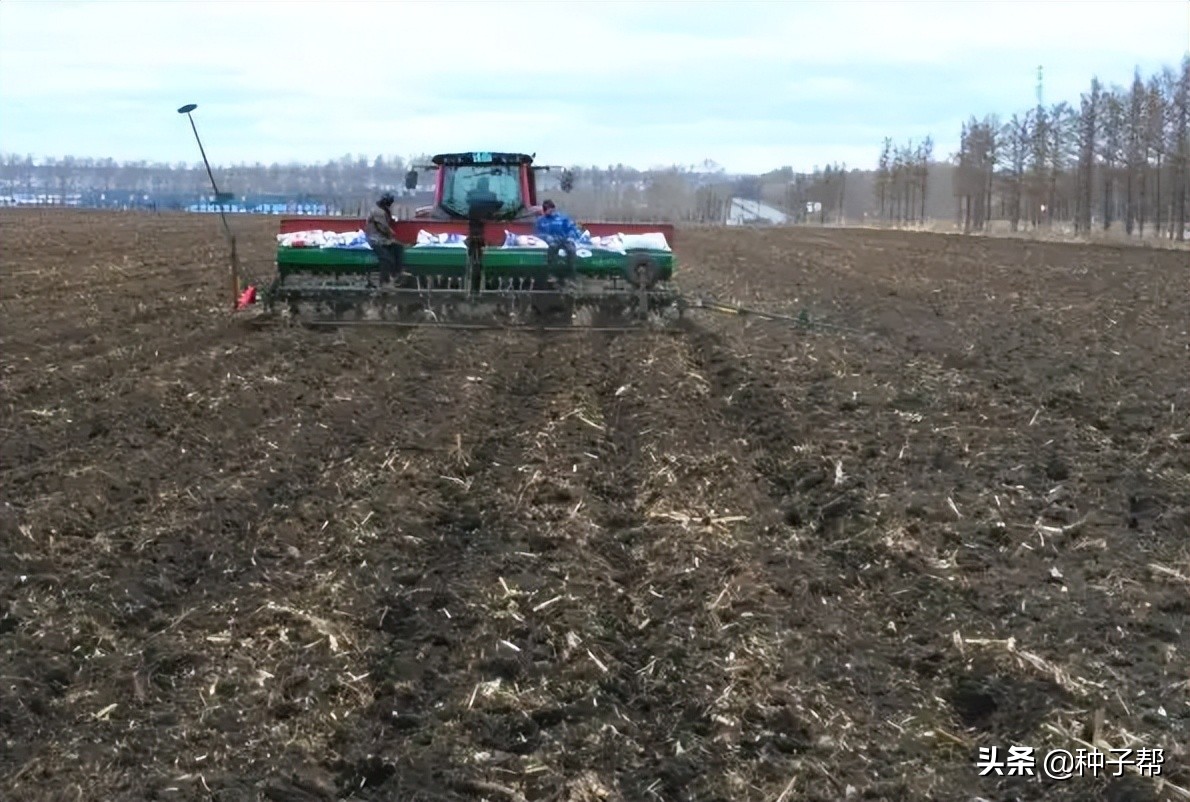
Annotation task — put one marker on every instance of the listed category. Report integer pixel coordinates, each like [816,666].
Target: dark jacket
[378,229]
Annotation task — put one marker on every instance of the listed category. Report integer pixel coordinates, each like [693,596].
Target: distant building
[741,212]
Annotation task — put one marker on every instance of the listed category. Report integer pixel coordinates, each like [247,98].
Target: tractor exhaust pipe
[231,240]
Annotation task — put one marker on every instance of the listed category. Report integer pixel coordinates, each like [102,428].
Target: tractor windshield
[464,184]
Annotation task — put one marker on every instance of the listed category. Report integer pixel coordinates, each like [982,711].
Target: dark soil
[829,560]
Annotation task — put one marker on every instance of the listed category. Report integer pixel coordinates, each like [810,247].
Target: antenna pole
[234,267]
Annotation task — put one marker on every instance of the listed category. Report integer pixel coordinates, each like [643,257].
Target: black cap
[387,199]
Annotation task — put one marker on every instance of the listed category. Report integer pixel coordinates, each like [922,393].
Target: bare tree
[711,205]
[1017,138]
[976,171]
[1038,162]
[1136,156]
[1063,125]
[884,174]
[1181,146]
[1155,145]
[900,190]
[905,182]
[1087,140]
[1111,145]
[925,152]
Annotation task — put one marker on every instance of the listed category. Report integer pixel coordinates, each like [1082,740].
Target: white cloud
[589,82]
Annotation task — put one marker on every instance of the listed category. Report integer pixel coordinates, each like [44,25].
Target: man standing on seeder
[558,231]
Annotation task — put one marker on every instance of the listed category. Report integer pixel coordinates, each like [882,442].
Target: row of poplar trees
[902,180]
[1120,158]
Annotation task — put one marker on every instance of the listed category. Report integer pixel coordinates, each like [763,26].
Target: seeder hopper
[472,260]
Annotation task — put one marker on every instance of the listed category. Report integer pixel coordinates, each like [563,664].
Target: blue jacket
[557,226]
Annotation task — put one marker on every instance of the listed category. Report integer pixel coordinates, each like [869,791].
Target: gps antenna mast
[231,240]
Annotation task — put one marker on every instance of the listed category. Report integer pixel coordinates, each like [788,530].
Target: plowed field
[755,561]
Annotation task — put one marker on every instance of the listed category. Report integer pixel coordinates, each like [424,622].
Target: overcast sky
[751,85]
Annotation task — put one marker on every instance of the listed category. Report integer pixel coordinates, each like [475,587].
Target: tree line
[345,176]
[902,180]
[1119,158]
[352,182]
[348,176]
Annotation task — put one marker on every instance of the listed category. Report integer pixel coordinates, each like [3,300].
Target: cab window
[467,183]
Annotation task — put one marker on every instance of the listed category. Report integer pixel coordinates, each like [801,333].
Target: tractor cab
[482,186]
